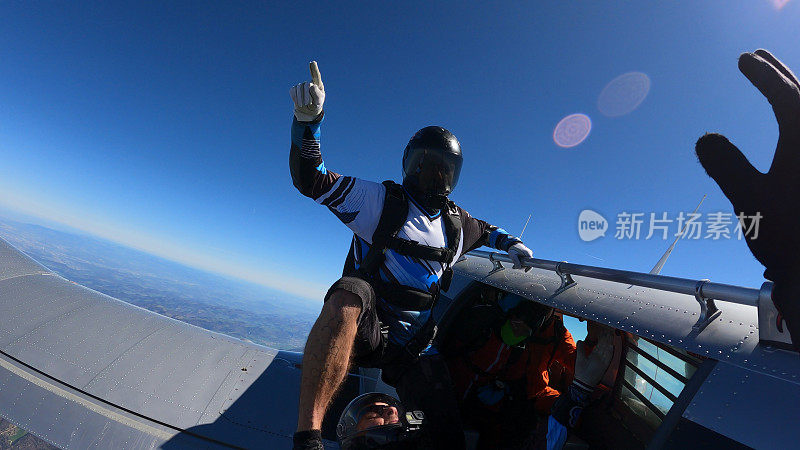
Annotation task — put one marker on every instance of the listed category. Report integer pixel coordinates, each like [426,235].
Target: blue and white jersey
[358,204]
[406,270]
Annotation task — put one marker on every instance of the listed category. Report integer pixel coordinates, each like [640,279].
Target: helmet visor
[369,411]
[376,414]
[434,172]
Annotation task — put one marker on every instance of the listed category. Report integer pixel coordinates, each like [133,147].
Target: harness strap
[452,228]
[405,297]
[416,250]
[395,211]
[421,339]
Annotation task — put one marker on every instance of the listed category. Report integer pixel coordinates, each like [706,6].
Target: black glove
[774,195]
[308,440]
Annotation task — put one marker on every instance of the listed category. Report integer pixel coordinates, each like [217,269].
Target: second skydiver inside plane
[406,238]
[512,360]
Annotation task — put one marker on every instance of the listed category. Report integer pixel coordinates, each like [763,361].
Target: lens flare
[623,94]
[572,130]
[779,4]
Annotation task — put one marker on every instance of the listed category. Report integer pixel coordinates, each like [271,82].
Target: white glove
[309,97]
[517,252]
[589,369]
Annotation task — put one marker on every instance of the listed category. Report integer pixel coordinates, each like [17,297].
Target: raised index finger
[316,77]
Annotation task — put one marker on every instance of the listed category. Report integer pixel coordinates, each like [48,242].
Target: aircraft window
[653,378]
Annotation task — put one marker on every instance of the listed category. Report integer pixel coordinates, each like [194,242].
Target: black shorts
[425,385]
[369,343]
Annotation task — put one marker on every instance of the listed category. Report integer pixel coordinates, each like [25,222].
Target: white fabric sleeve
[357,203]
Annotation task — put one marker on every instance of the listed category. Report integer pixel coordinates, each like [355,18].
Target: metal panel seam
[123,354]
[83,402]
[34,274]
[221,384]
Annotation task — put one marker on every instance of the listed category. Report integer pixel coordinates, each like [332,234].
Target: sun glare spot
[572,130]
[779,4]
[623,94]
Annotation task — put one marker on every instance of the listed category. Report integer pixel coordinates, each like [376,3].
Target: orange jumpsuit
[496,361]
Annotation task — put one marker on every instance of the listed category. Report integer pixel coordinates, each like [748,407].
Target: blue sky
[166,126]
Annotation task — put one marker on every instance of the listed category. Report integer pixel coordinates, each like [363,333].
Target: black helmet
[534,314]
[375,420]
[431,165]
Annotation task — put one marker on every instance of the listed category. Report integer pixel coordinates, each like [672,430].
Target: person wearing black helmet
[431,166]
[405,240]
[379,421]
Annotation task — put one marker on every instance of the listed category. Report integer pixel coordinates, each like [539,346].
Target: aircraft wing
[81,369]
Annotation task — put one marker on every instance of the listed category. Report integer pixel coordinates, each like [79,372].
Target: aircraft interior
[633,408]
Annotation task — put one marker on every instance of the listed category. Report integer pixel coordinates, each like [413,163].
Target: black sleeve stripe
[338,192]
[337,197]
[309,175]
[310,149]
[345,217]
[475,231]
[337,202]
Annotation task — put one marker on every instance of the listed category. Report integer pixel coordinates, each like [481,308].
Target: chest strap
[404,297]
[393,216]
[414,249]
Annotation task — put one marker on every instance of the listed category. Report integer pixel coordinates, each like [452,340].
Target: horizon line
[153,246]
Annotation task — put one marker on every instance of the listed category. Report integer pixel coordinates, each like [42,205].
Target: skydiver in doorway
[406,238]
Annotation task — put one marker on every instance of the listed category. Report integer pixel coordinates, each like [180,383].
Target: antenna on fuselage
[525,226]
[660,264]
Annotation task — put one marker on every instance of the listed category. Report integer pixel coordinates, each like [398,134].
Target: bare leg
[327,357]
